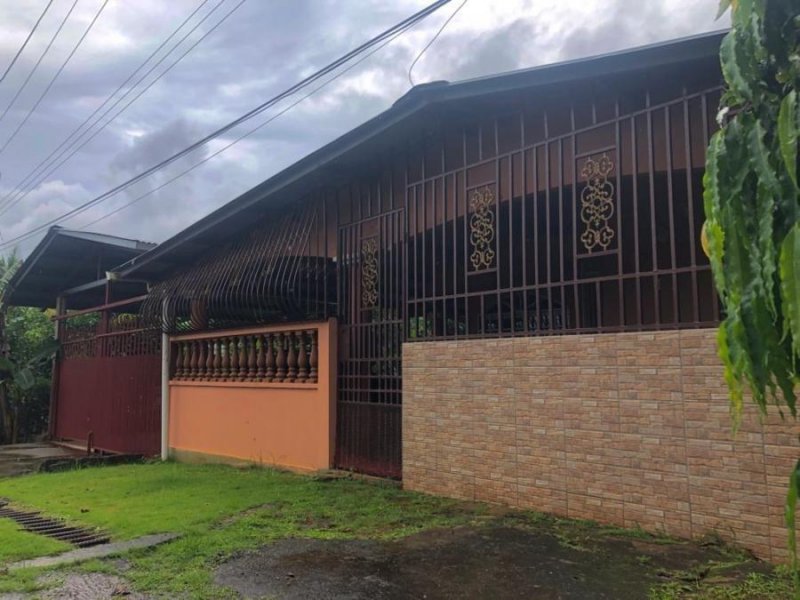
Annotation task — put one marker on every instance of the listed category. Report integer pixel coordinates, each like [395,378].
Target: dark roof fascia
[108,240]
[29,263]
[54,232]
[437,92]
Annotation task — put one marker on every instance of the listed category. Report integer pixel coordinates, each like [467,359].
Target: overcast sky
[260,49]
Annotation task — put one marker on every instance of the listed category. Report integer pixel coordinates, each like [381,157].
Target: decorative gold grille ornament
[481,229]
[597,203]
[369,273]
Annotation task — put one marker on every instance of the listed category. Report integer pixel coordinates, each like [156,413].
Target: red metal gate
[371,333]
[109,383]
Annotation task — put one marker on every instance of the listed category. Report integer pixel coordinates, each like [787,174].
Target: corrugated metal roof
[64,259]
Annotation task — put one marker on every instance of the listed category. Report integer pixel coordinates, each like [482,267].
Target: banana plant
[16,381]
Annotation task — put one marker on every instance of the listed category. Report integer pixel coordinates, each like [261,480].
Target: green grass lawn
[19,545]
[208,506]
[222,510]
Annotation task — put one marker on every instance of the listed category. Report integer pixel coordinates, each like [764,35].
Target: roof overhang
[70,260]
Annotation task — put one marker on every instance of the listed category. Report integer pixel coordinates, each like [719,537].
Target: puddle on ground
[493,562]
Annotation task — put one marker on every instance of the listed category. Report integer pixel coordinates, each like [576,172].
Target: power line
[241,137]
[73,150]
[433,39]
[13,197]
[55,77]
[38,62]
[402,25]
[25,43]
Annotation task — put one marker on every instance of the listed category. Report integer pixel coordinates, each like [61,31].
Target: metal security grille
[594,226]
[371,332]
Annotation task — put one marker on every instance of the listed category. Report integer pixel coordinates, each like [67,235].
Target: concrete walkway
[19,459]
[100,551]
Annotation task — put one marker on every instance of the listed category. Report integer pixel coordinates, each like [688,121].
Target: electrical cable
[25,43]
[55,77]
[24,186]
[433,39]
[38,62]
[402,25]
[240,138]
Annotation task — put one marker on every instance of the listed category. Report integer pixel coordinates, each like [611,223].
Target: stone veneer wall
[631,429]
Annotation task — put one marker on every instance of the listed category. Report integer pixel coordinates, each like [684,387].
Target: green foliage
[752,205]
[221,510]
[25,371]
[751,202]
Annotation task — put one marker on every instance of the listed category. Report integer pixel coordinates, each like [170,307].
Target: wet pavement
[19,459]
[496,562]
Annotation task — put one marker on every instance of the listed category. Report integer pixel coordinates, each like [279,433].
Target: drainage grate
[35,523]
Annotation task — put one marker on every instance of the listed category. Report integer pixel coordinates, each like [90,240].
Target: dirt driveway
[496,562]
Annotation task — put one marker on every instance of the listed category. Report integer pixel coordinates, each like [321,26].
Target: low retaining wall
[282,424]
[631,429]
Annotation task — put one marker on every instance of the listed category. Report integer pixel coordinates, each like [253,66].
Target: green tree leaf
[790,287]
[790,513]
[787,133]
[24,379]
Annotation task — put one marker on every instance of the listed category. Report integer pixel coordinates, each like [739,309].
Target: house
[495,290]
[106,392]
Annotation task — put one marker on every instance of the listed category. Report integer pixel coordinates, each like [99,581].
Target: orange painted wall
[283,424]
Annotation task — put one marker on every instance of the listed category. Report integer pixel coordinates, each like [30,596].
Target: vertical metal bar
[670,205]
[424,249]
[444,250]
[497,244]
[165,362]
[687,135]
[466,238]
[547,223]
[635,181]
[560,227]
[406,252]
[511,311]
[480,144]
[653,231]
[417,286]
[598,306]
[575,278]
[326,258]
[537,283]
[620,247]
[433,252]
[58,334]
[524,230]
[575,295]
[454,193]
[483,314]
[496,139]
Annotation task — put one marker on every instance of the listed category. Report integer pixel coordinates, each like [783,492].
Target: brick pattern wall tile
[631,429]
